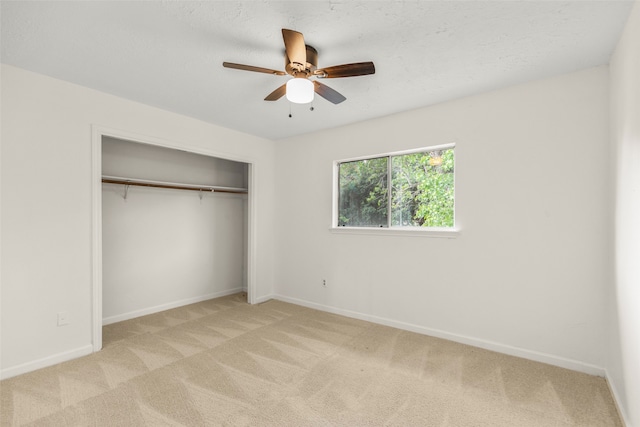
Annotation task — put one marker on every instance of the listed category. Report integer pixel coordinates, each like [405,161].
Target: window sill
[446,233]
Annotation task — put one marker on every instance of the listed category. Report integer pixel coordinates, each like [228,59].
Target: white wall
[623,364]
[144,161]
[164,248]
[46,205]
[526,276]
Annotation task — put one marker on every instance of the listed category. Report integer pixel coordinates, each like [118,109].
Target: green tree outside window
[419,194]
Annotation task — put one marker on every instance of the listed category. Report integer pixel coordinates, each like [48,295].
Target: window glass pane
[422,193]
[363,193]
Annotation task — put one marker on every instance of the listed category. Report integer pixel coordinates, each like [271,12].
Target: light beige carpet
[224,362]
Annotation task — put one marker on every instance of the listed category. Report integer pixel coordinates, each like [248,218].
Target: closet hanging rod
[171,185]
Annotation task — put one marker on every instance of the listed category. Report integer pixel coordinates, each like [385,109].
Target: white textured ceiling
[169,54]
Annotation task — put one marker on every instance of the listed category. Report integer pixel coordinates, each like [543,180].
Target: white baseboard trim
[46,362]
[616,399]
[265,298]
[162,307]
[549,359]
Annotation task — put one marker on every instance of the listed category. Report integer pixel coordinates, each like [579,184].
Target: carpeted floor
[224,362]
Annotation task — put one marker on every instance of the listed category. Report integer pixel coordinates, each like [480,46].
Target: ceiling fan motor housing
[307,69]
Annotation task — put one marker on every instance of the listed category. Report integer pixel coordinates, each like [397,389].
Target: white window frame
[442,232]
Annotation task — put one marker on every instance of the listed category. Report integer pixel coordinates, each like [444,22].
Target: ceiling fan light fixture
[300,90]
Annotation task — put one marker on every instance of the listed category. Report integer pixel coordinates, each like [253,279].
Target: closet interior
[174,228]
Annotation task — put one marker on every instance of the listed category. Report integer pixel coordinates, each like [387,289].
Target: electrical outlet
[324,283]
[63,318]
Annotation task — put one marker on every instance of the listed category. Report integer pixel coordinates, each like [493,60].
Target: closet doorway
[173,227]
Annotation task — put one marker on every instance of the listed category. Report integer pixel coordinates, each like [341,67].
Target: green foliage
[363,193]
[422,191]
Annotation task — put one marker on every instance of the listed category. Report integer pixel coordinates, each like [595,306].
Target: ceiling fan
[301,62]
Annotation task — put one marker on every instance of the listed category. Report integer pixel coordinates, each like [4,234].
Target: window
[401,190]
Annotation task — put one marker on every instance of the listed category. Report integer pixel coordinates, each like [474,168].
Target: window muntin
[420,193]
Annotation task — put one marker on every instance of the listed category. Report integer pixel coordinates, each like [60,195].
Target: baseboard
[616,399]
[46,362]
[265,298]
[174,304]
[549,359]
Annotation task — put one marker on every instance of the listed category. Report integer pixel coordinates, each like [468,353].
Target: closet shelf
[171,185]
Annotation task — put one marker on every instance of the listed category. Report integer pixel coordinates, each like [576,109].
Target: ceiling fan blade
[327,93]
[277,94]
[295,47]
[346,70]
[252,68]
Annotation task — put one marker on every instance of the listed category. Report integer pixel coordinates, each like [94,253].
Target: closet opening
[171,228]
